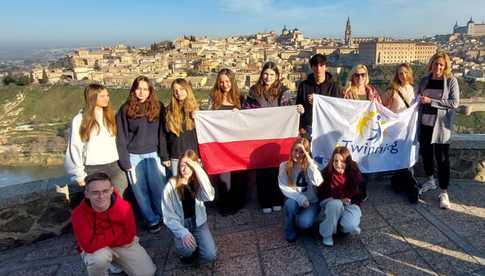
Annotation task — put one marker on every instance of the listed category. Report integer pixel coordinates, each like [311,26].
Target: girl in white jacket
[184,211]
[92,142]
[297,180]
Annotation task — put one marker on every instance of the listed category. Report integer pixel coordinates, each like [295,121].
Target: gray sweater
[450,100]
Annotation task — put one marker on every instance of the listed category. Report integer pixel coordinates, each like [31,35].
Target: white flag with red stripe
[245,139]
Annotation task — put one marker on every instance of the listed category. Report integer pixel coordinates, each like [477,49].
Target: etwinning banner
[245,139]
[378,139]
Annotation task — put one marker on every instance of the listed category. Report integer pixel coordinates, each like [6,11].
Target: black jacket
[309,86]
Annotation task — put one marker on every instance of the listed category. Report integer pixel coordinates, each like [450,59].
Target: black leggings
[429,152]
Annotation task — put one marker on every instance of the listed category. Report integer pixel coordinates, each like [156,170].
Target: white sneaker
[328,241]
[276,208]
[430,184]
[115,269]
[267,210]
[444,200]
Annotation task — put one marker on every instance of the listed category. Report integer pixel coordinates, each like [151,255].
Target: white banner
[378,139]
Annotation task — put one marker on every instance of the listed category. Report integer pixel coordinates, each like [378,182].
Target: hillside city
[198,59]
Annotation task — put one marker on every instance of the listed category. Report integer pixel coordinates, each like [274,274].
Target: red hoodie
[112,228]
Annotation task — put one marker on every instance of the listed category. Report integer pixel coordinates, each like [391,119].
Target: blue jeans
[297,216]
[147,179]
[204,239]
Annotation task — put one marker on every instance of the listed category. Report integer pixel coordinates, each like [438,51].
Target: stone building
[470,29]
[384,52]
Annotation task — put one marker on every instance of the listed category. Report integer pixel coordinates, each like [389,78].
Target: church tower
[348,33]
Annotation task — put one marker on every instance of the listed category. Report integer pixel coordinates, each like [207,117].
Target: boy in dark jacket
[319,82]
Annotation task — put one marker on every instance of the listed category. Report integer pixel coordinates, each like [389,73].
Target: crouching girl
[297,180]
[184,211]
[340,196]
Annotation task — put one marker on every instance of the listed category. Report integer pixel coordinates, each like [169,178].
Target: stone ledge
[34,211]
[41,209]
[468,141]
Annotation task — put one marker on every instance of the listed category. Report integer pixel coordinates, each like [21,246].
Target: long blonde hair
[290,164]
[180,113]
[446,57]
[351,88]
[193,183]
[88,122]
[396,83]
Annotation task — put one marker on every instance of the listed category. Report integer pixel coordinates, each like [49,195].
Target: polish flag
[245,139]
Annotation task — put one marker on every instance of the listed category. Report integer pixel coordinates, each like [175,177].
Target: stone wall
[33,211]
[467,156]
[41,209]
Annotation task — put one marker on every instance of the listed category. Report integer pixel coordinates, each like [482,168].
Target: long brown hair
[290,164]
[396,83]
[274,91]
[150,108]
[180,113]
[193,183]
[88,122]
[350,166]
[217,95]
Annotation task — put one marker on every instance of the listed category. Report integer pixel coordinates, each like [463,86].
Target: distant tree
[23,80]
[44,78]
[8,79]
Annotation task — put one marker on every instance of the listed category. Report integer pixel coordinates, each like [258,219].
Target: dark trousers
[269,193]
[234,198]
[429,152]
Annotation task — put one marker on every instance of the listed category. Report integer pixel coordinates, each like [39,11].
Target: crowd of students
[153,149]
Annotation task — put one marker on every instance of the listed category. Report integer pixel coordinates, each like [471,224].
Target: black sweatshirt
[139,136]
[177,145]
[309,86]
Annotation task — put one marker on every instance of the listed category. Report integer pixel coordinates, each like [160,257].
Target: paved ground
[397,238]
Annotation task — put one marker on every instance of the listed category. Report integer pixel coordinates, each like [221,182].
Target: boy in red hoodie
[105,230]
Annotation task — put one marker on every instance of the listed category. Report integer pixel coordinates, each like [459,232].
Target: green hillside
[59,103]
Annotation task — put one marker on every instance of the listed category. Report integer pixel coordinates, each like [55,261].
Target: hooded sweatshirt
[305,184]
[112,228]
[310,86]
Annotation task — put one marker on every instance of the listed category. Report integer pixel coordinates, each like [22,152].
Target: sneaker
[115,269]
[430,184]
[328,241]
[276,208]
[267,210]
[154,228]
[356,231]
[444,200]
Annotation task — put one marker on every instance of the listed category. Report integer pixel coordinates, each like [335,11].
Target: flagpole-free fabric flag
[378,139]
[231,140]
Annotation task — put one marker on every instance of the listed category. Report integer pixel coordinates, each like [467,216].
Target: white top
[99,150]
[173,210]
[397,104]
[304,184]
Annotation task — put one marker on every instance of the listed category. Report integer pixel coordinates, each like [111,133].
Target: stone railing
[41,209]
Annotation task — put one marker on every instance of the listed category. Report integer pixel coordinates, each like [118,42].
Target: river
[18,175]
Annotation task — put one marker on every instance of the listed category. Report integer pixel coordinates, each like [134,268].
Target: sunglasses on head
[362,75]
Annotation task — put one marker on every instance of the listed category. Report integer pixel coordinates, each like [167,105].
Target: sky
[56,23]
